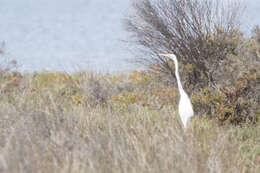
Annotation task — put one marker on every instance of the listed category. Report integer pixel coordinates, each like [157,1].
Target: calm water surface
[71,35]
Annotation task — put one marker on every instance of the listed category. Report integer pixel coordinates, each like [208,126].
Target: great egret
[185,106]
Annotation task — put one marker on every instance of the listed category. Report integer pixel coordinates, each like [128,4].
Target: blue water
[72,35]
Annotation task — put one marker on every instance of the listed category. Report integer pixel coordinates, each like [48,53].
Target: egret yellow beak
[166,55]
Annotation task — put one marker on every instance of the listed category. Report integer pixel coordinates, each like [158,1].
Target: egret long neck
[178,77]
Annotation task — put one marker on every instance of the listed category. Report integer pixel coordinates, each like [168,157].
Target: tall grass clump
[51,122]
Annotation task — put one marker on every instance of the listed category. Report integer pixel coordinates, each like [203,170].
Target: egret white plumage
[185,106]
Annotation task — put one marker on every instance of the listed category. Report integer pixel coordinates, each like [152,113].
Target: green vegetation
[54,122]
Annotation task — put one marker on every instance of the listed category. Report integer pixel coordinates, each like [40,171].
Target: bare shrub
[200,32]
[256,33]
[7,66]
[98,89]
[219,65]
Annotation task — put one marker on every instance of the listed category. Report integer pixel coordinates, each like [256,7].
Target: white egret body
[185,106]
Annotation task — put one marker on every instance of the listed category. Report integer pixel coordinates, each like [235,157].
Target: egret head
[170,56]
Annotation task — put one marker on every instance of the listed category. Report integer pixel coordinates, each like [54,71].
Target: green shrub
[236,104]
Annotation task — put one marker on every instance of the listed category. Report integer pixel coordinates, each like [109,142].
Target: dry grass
[88,123]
